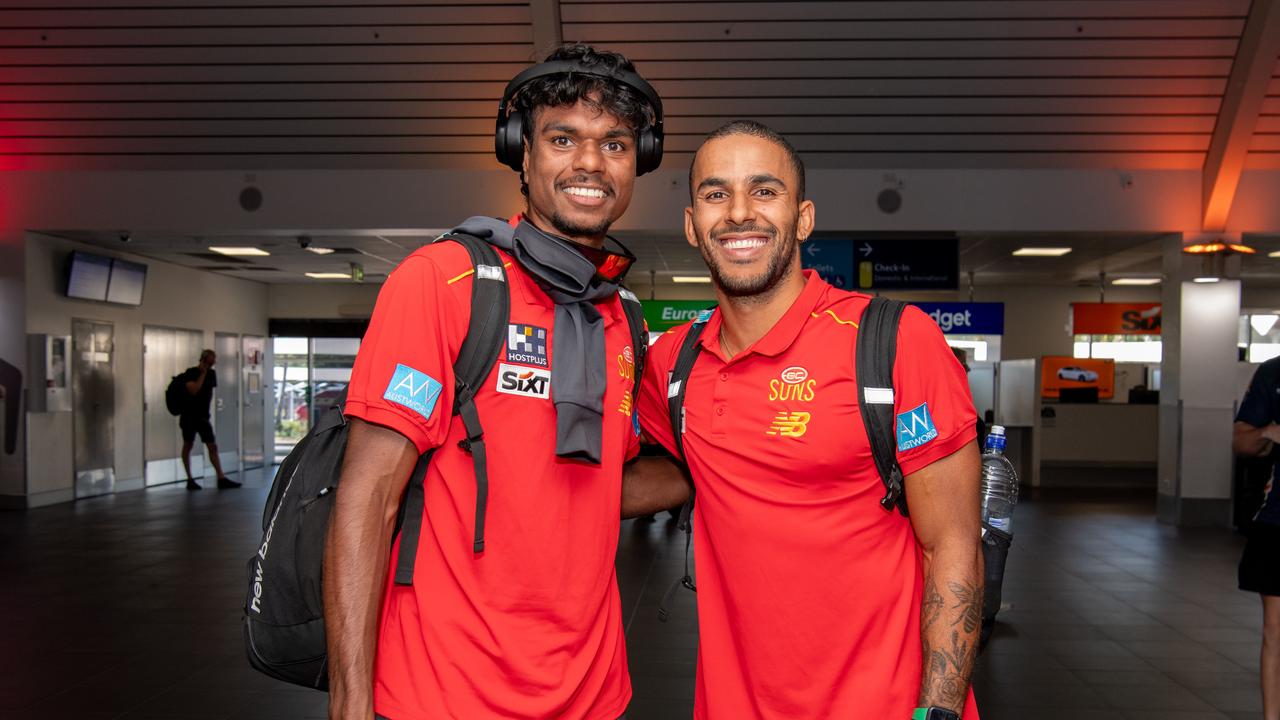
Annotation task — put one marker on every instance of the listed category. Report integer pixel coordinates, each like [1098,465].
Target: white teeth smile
[744,243]
[585,192]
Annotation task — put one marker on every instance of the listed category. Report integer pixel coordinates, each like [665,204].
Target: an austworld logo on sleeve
[915,428]
[413,389]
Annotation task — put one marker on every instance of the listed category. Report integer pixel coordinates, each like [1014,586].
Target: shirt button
[724,376]
[720,410]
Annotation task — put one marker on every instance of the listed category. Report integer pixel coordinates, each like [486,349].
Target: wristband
[933,713]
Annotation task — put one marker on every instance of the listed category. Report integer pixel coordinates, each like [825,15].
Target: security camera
[304,242]
[125,236]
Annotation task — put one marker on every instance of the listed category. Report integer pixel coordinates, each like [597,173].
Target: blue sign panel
[832,259]
[961,318]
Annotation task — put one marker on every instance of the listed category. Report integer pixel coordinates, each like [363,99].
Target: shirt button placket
[720,398]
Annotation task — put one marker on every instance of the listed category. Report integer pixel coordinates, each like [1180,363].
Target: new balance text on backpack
[284,613]
[176,396]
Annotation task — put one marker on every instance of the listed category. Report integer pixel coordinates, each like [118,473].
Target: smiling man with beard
[813,601]
[517,617]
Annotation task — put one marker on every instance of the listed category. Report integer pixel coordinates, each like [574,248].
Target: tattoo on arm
[969,603]
[949,652]
[932,606]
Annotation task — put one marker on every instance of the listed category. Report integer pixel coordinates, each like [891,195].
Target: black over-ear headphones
[509,137]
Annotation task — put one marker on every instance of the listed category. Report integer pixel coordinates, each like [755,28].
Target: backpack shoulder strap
[634,311]
[677,384]
[679,379]
[490,311]
[876,350]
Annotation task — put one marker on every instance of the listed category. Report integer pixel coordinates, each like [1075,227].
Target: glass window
[1121,348]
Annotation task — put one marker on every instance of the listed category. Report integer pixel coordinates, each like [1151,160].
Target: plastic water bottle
[999,483]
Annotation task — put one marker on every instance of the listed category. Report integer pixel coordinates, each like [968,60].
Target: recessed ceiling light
[1042,251]
[319,250]
[329,275]
[1136,281]
[691,279]
[227,250]
[1205,280]
[1275,254]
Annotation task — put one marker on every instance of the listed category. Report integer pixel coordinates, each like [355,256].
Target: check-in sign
[1115,318]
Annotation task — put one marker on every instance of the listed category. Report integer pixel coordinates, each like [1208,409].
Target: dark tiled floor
[129,607]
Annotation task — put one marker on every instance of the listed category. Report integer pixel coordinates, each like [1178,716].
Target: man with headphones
[530,625]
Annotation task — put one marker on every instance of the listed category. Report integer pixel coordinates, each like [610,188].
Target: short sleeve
[402,377]
[933,407]
[655,419]
[1256,408]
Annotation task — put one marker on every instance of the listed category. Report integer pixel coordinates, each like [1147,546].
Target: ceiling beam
[547,30]
[1238,116]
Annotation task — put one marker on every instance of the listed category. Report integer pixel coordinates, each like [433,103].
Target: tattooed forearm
[950,648]
[932,606]
[968,604]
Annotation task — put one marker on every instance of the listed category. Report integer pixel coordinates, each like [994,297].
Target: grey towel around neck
[578,371]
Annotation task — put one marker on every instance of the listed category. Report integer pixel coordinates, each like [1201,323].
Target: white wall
[174,297]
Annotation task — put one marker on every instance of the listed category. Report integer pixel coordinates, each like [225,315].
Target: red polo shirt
[531,627]
[808,591]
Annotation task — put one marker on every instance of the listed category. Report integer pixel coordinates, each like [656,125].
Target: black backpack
[875,350]
[176,396]
[284,613]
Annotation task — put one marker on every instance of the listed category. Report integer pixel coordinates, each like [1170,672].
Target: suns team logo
[627,371]
[792,385]
[789,424]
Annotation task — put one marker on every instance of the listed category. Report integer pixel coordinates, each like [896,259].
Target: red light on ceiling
[1204,248]
[1217,247]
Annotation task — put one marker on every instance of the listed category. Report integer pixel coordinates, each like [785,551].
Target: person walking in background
[1255,434]
[194,420]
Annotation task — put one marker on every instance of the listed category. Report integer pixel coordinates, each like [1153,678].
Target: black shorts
[1260,565]
[196,426]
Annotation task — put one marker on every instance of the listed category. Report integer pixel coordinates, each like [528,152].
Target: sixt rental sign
[962,318]
[1115,318]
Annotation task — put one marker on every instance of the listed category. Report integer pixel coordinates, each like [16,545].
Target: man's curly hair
[600,93]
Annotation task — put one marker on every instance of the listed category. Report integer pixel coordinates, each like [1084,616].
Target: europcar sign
[960,318]
[662,315]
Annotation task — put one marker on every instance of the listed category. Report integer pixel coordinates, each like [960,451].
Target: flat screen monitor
[127,280]
[88,276]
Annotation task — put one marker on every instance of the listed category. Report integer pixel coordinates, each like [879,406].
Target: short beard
[569,229]
[761,286]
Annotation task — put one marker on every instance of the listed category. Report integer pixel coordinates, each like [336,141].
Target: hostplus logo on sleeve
[413,389]
[527,345]
[915,428]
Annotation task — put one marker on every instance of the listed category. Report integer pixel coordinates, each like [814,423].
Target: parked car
[1078,374]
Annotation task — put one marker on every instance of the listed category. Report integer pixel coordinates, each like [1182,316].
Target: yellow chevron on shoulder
[471,272]
[835,317]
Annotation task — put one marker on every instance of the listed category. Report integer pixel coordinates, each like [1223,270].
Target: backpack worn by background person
[176,396]
[284,612]
[875,353]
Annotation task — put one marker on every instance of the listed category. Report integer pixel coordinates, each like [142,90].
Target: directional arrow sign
[832,259]
[866,249]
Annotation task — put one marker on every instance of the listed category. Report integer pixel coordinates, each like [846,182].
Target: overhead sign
[831,259]
[1115,318]
[961,318]
[1059,372]
[662,315]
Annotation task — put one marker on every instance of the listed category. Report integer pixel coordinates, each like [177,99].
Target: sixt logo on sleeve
[915,428]
[413,389]
[527,345]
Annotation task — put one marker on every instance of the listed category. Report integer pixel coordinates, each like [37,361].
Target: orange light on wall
[1217,247]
